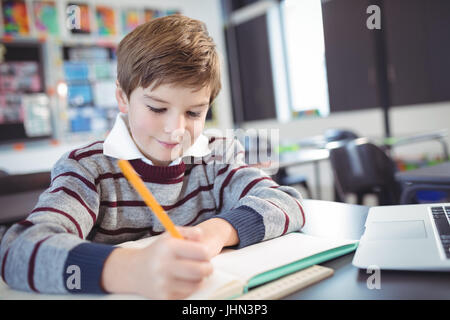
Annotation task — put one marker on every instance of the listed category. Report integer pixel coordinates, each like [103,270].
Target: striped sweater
[90,207]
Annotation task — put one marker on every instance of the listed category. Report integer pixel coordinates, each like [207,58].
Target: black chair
[339,135]
[333,134]
[361,168]
[254,145]
[285,179]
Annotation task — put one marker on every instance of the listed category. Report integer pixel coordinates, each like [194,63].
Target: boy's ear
[121,98]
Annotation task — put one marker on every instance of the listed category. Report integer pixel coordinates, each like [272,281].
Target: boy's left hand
[216,234]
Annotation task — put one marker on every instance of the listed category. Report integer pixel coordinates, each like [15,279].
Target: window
[305,56]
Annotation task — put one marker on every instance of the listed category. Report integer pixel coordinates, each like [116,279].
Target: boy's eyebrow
[163,101]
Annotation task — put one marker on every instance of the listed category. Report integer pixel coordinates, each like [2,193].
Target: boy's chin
[171,155]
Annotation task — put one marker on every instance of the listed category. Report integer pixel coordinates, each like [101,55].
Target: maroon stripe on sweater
[123,203]
[123,230]
[251,184]
[137,230]
[301,210]
[31,264]
[145,179]
[157,173]
[212,139]
[76,196]
[128,230]
[87,154]
[200,213]
[188,171]
[87,183]
[108,175]
[68,216]
[223,170]
[189,196]
[25,223]
[137,203]
[3,265]
[162,180]
[226,182]
[72,154]
[286,222]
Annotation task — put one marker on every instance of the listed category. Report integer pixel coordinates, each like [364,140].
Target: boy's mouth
[167,144]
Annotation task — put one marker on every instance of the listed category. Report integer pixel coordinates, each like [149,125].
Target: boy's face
[164,122]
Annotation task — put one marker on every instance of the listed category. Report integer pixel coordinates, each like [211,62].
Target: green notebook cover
[299,265]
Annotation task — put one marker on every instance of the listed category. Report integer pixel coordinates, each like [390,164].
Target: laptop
[406,237]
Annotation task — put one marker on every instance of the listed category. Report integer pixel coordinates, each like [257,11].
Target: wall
[42,155]
[405,120]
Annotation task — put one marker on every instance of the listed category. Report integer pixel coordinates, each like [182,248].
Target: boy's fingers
[191,233]
[183,288]
[188,249]
[192,270]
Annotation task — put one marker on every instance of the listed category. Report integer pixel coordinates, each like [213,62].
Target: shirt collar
[120,145]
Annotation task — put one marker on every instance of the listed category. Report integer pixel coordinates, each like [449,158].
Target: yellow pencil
[151,202]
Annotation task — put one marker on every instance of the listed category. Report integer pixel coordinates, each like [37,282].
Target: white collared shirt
[120,145]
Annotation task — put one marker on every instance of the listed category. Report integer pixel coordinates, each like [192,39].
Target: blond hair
[169,50]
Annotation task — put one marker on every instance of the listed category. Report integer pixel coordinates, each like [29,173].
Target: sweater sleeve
[257,207]
[48,251]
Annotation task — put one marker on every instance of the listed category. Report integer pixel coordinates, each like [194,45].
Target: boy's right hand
[169,268]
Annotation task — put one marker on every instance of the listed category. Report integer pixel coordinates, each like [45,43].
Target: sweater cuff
[248,223]
[84,267]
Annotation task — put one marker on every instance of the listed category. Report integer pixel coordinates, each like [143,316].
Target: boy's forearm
[222,229]
[117,271]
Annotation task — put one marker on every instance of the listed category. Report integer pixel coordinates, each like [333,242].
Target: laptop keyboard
[441,217]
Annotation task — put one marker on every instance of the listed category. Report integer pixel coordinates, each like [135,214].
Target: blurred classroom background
[320,72]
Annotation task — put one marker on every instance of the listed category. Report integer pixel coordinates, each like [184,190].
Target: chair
[361,168]
[333,134]
[285,179]
[342,135]
[254,145]
[339,135]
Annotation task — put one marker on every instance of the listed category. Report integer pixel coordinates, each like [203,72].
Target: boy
[167,77]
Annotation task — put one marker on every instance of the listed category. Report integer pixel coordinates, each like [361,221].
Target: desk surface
[335,220]
[439,173]
[320,141]
[350,283]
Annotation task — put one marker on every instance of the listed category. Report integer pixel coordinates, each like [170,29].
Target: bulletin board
[41,38]
[24,108]
[90,73]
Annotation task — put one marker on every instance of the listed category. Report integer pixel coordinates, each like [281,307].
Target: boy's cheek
[197,129]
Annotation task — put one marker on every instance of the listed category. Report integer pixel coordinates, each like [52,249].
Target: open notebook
[238,271]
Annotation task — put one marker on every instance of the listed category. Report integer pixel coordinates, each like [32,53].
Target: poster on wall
[78,18]
[36,114]
[170,12]
[130,20]
[45,17]
[106,21]
[15,18]
[16,78]
[150,14]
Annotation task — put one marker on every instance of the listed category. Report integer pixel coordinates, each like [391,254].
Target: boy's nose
[176,124]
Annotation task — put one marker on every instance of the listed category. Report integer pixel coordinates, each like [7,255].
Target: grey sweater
[90,207]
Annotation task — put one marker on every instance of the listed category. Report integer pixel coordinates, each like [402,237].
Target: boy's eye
[156,110]
[194,114]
